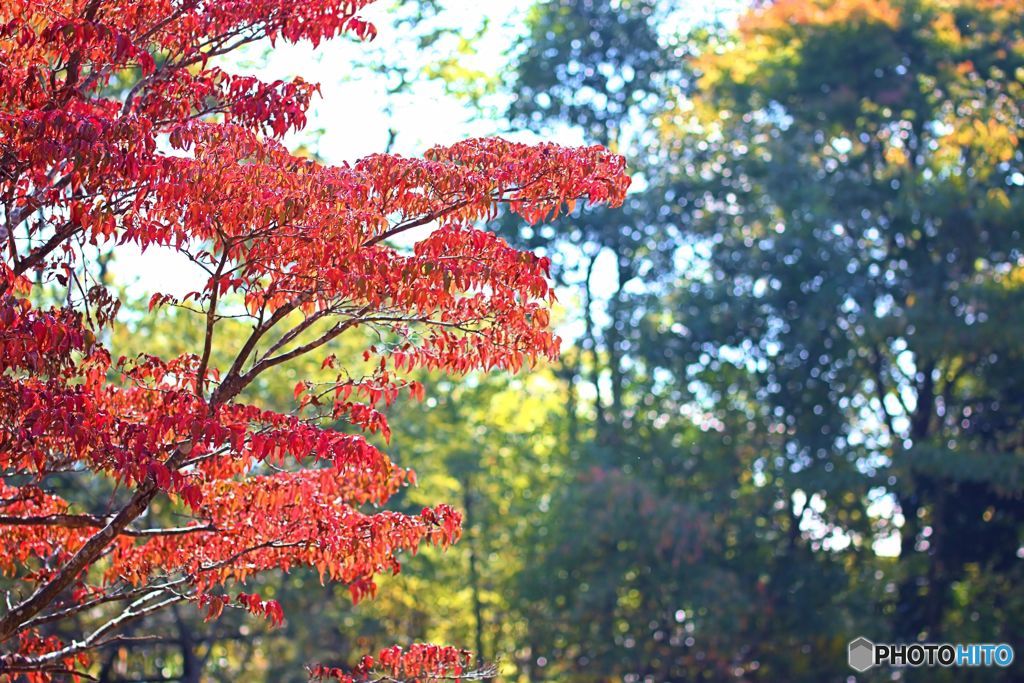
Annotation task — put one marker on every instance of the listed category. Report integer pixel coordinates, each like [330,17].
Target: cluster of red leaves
[269,609]
[418,662]
[186,157]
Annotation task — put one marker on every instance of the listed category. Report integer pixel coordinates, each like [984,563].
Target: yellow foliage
[997,197]
[946,31]
[895,156]
[768,37]
[1014,279]
[784,14]
[737,65]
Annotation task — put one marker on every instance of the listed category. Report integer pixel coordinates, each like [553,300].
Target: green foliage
[826,360]
[588,63]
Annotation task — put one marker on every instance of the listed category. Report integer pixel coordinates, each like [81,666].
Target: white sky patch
[158,269]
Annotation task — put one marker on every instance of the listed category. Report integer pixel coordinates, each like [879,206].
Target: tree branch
[93,521]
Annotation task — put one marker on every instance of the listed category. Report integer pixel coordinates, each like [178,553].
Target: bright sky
[350,112]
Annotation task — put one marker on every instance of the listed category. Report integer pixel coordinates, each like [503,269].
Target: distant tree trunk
[618,314]
[474,572]
[107,670]
[590,342]
[192,667]
[572,440]
[922,597]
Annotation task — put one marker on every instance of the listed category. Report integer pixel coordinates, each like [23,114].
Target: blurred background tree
[810,352]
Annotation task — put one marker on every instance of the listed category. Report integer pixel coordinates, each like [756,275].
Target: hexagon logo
[861,654]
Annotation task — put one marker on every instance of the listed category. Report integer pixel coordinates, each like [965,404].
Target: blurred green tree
[819,362]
